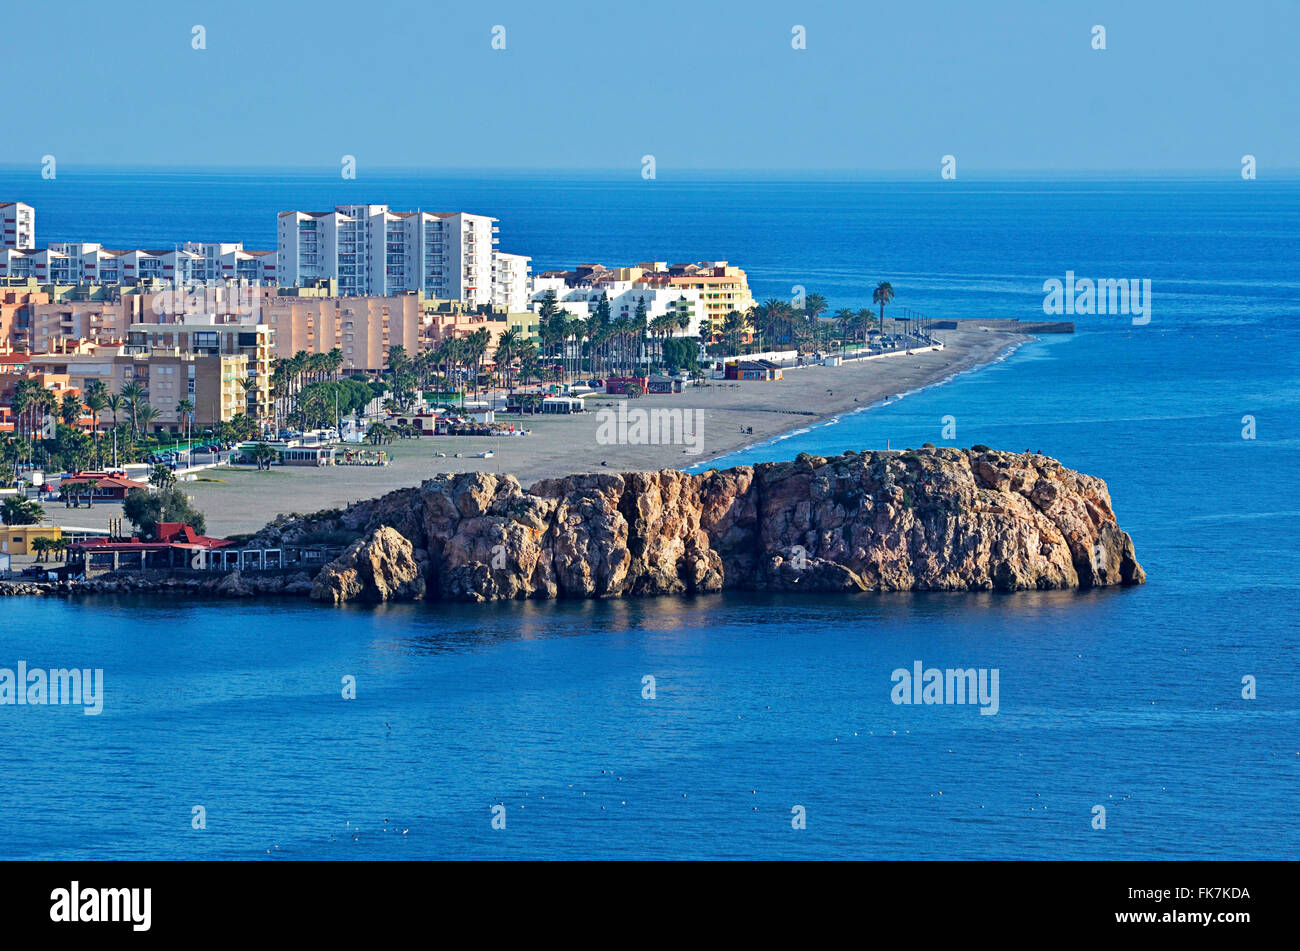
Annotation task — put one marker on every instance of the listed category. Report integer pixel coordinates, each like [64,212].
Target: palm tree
[529,363]
[506,351]
[184,407]
[882,295]
[113,402]
[864,322]
[16,511]
[845,317]
[145,415]
[663,327]
[334,362]
[21,401]
[96,399]
[733,325]
[577,329]
[476,345]
[70,409]
[133,393]
[814,305]
[263,455]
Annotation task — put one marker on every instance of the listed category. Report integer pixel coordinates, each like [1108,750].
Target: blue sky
[1012,86]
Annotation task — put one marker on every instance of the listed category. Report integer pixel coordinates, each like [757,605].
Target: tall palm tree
[70,409]
[507,350]
[864,318]
[21,403]
[133,393]
[145,415]
[529,362]
[733,325]
[96,396]
[476,345]
[846,318]
[814,305]
[882,295]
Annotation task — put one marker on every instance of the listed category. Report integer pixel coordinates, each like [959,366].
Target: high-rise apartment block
[373,251]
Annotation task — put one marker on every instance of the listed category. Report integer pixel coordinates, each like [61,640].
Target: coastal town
[157,407]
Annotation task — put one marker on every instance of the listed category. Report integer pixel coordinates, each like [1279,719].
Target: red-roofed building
[107,488]
[177,546]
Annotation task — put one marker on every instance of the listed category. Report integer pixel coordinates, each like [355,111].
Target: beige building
[363,329]
[722,287]
[203,337]
[209,380]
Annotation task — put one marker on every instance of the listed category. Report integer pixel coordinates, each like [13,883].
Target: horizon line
[632,173]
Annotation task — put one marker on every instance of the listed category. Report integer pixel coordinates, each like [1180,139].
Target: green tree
[16,511]
[145,510]
[882,295]
[263,455]
[133,394]
[41,546]
[70,409]
[506,352]
[144,417]
[162,477]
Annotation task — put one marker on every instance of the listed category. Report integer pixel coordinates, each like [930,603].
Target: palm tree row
[290,375]
[777,323]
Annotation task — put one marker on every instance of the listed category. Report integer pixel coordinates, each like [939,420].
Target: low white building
[624,298]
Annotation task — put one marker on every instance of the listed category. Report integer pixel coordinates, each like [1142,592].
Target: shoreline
[832,419]
[239,500]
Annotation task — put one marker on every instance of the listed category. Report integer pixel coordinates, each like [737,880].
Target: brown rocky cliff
[380,567]
[925,520]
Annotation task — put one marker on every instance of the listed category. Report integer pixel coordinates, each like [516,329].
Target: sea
[1157,722]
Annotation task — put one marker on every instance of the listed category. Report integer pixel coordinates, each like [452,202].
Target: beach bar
[752,370]
[561,405]
[177,546]
[307,456]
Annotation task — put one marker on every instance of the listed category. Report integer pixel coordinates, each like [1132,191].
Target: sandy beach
[236,499]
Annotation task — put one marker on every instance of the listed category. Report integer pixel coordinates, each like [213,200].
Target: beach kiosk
[561,405]
[307,456]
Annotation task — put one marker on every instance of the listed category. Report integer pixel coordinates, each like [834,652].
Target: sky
[1008,86]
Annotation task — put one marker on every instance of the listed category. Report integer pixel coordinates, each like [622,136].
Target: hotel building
[372,251]
[722,287]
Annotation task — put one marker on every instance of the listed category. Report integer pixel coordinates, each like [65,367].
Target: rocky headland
[915,520]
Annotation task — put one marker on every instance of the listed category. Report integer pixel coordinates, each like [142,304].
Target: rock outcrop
[380,567]
[924,520]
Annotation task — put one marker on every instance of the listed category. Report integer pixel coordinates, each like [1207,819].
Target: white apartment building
[375,252]
[511,282]
[582,300]
[88,263]
[17,225]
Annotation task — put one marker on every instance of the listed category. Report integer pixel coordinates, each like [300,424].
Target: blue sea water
[1129,699]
